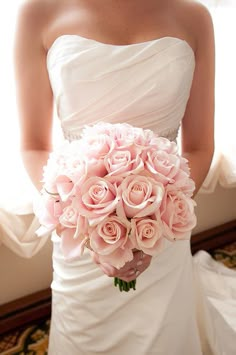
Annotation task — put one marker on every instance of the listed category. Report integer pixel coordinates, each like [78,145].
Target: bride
[150,64]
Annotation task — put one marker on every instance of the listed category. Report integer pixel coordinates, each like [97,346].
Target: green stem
[123,285]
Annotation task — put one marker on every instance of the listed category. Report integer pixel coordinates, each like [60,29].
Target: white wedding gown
[147,85]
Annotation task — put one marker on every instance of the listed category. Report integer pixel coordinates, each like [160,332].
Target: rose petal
[71,247]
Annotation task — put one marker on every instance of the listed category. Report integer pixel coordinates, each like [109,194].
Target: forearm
[199,163]
[34,161]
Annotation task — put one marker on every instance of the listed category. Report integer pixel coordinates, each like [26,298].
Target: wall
[19,277]
[215,209]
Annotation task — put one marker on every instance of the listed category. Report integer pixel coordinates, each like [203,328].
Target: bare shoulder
[198,21]
[34,10]
[33,17]
[199,14]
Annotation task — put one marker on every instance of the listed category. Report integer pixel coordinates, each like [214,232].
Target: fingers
[106,268]
[109,270]
[130,270]
[136,267]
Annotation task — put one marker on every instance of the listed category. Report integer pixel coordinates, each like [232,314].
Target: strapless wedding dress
[147,85]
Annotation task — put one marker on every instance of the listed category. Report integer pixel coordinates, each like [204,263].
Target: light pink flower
[147,235]
[164,144]
[50,172]
[97,146]
[72,247]
[97,198]
[177,215]
[123,134]
[64,186]
[69,217]
[74,233]
[123,162]
[141,196]
[163,166]
[96,167]
[63,167]
[76,168]
[110,240]
[184,183]
[85,167]
[115,173]
[126,135]
[146,138]
[48,210]
[184,164]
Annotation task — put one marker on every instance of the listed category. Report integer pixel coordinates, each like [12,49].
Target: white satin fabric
[91,316]
[147,85]
[215,293]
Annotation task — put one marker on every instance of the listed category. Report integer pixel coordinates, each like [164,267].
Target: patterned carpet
[33,340]
[226,255]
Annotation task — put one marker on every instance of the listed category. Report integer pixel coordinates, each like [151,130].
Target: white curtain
[17,224]
[223,168]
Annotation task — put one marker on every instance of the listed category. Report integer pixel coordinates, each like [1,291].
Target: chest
[117,22]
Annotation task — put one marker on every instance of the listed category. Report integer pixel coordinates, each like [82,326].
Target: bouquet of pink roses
[117,189]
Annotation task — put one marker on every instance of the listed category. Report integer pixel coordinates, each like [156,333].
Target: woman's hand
[130,271]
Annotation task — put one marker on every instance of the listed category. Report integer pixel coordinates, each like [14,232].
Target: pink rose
[48,210]
[184,164]
[74,233]
[162,165]
[164,144]
[146,138]
[97,146]
[147,235]
[125,135]
[123,162]
[177,215]
[64,186]
[110,240]
[50,172]
[184,183]
[76,168]
[69,217]
[83,168]
[72,247]
[63,170]
[141,196]
[97,198]
[96,167]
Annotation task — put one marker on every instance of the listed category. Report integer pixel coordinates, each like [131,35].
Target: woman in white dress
[150,64]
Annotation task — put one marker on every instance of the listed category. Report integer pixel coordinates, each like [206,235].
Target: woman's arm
[34,95]
[198,122]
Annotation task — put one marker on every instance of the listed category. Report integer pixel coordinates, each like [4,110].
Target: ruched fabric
[145,84]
